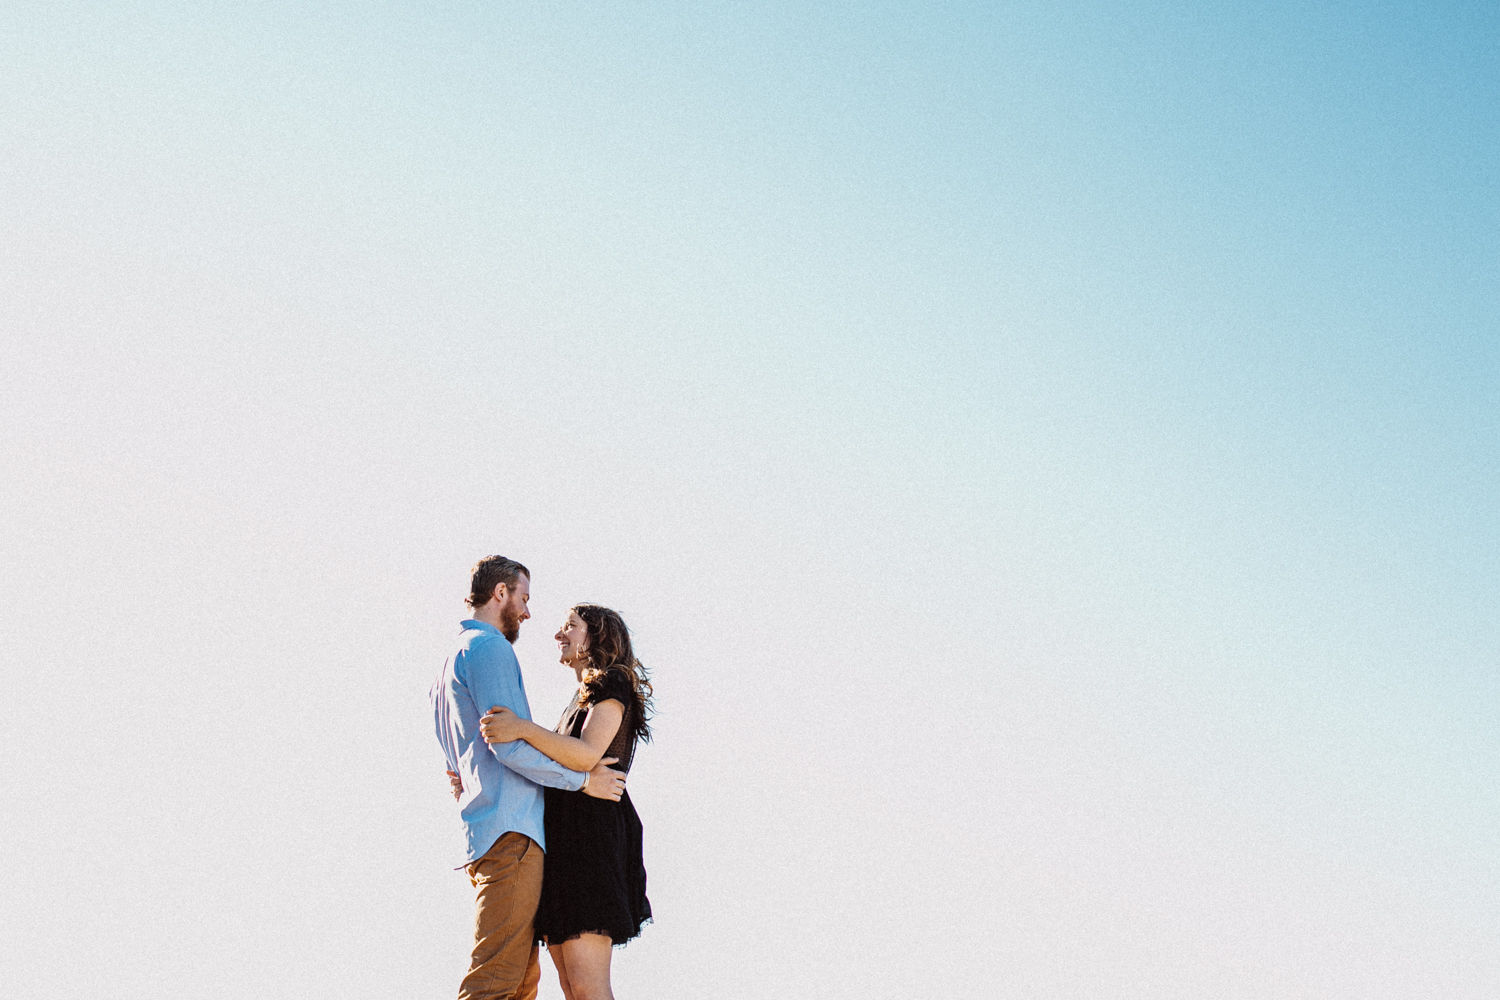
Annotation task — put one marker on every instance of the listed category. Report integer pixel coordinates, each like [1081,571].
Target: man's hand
[605,783]
[457,783]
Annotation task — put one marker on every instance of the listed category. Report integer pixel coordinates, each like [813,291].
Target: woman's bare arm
[500,725]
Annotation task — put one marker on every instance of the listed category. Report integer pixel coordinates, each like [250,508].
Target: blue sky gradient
[1049,455]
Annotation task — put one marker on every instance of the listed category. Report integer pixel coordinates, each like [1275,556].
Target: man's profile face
[513,610]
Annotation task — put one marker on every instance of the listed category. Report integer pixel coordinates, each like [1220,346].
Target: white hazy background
[1048,460]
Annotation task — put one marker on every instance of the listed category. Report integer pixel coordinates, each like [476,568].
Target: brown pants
[509,883]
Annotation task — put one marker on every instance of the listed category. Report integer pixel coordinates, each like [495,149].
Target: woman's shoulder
[611,682]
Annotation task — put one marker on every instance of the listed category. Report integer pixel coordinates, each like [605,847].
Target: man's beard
[510,623]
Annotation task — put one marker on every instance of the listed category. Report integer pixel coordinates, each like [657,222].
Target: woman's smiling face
[572,638]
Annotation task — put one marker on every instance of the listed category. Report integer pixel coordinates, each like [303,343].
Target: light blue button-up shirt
[502,781]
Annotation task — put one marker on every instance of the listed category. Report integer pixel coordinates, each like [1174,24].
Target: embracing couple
[525,792]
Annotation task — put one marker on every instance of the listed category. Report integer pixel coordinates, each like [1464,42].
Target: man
[499,786]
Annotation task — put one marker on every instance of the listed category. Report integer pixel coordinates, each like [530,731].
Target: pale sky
[1048,461]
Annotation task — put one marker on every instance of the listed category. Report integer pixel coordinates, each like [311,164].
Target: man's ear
[500,593]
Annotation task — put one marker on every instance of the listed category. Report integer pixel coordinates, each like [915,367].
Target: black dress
[594,878]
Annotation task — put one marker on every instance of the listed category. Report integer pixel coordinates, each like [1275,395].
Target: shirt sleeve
[440,721]
[494,678]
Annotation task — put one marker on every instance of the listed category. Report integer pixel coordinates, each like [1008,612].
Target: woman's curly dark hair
[609,650]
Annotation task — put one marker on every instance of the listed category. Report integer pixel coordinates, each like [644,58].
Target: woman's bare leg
[561,964]
[587,960]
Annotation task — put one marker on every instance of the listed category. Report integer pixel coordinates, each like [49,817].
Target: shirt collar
[469,623]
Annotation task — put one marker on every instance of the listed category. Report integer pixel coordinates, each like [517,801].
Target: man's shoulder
[474,636]
[483,646]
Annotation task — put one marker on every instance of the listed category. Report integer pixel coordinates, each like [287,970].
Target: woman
[594,880]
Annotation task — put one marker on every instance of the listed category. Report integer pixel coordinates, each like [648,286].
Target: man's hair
[489,573]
